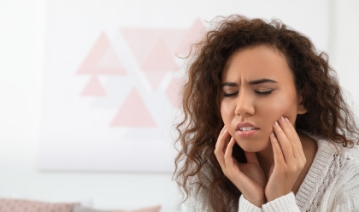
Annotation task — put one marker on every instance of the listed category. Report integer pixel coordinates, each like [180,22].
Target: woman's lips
[246,129]
[247,133]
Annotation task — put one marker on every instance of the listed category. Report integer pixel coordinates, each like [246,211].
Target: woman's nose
[244,104]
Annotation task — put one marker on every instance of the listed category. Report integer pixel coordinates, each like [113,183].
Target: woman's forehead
[256,62]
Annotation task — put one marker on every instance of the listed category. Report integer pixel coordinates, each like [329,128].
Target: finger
[251,157]
[285,145]
[228,158]
[285,126]
[277,151]
[224,127]
[222,135]
[219,149]
[291,135]
[297,144]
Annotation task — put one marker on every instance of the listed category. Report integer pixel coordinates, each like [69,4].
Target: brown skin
[280,158]
[310,148]
[198,171]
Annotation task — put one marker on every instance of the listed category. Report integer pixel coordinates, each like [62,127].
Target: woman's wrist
[276,195]
[256,202]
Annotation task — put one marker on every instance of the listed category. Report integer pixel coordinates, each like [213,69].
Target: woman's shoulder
[335,148]
[346,175]
[350,152]
[334,155]
[344,159]
[333,176]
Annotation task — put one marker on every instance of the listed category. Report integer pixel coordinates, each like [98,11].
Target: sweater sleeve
[245,205]
[282,204]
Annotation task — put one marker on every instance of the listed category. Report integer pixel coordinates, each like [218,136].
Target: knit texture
[284,204]
[247,206]
[332,183]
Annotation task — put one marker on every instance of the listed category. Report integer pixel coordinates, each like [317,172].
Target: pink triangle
[159,59]
[133,113]
[173,92]
[102,59]
[143,40]
[193,35]
[110,64]
[93,88]
[154,78]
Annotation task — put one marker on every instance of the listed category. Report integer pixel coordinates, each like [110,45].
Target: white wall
[344,48]
[21,57]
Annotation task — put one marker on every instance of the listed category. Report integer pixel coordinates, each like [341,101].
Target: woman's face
[258,88]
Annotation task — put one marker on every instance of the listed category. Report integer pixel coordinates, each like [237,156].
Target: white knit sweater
[332,184]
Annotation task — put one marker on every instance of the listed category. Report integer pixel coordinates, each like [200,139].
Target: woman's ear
[301,109]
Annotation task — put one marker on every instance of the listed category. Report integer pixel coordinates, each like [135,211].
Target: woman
[266,127]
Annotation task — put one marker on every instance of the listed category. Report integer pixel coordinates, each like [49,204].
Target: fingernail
[286,119]
[282,118]
[271,134]
[276,123]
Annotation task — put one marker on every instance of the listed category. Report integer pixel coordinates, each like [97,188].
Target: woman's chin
[251,147]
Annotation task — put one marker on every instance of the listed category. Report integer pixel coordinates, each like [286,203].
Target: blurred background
[74,76]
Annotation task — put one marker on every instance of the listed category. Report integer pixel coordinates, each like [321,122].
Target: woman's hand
[247,177]
[289,160]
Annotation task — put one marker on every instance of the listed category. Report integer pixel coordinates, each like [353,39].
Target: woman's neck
[265,159]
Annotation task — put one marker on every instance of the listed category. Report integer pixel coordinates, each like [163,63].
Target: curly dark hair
[197,171]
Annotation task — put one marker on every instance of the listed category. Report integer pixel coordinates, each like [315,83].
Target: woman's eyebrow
[231,84]
[255,82]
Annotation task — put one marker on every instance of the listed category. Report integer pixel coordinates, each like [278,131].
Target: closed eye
[264,93]
[229,94]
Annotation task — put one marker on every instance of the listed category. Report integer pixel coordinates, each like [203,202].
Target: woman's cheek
[226,113]
[284,107]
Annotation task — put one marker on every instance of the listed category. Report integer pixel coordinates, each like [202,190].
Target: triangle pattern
[94,88]
[110,64]
[160,59]
[102,59]
[133,113]
[142,40]
[193,35]
[154,78]
[173,92]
